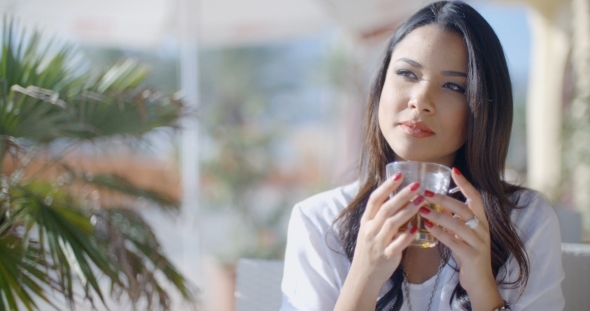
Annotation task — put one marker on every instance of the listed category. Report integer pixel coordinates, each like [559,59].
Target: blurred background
[274,94]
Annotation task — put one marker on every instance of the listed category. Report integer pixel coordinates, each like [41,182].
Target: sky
[511,25]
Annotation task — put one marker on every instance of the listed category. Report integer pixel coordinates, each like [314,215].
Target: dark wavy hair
[481,159]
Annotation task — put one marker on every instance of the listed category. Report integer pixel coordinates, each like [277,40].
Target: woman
[442,94]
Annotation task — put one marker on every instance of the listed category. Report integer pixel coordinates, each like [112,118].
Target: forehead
[432,46]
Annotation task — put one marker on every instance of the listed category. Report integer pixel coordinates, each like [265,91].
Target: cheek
[385,109]
[387,118]
[392,99]
[460,124]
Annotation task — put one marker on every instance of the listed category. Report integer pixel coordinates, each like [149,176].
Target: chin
[420,156]
[411,156]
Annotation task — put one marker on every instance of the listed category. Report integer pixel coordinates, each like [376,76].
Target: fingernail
[428,223]
[415,186]
[424,210]
[413,230]
[418,200]
[397,176]
[428,193]
[456,171]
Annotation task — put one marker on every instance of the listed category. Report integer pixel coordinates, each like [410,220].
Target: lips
[416,129]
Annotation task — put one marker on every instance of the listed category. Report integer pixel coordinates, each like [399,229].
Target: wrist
[363,281]
[486,298]
[358,293]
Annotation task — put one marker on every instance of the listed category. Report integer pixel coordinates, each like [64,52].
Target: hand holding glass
[431,176]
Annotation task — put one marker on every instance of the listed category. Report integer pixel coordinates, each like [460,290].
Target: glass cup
[433,177]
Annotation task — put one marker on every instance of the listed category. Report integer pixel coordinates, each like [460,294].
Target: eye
[455,87]
[406,73]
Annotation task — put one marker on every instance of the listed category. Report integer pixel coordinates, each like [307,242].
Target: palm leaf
[46,96]
[47,238]
[68,232]
[26,61]
[36,120]
[143,248]
[128,114]
[21,277]
[120,185]
[122,76]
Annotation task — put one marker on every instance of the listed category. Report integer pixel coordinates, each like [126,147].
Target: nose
[423,98]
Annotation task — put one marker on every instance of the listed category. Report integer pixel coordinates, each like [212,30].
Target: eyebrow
[453,73]
[413,63]
[416,64]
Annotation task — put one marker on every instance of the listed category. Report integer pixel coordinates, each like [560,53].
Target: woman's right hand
[379,243]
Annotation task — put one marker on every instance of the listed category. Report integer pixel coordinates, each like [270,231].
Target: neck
[421,264]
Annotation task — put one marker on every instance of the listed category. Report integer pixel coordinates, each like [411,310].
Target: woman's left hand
[470,245]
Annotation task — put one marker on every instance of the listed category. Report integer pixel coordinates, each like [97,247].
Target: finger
[459,248]
[392,224]
[462,231]
[379,196]
[450,204]
[398,201]
[401,242]
[473,197]
[450,231]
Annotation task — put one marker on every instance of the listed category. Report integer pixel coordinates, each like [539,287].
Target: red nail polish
[397,176]
[456,171]
[413,229]
[418,200]
[428,193]
[415,186]
[424,210]
[428,223]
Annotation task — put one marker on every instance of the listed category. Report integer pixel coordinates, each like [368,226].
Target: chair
[570,225]
[576,286]
[258,283]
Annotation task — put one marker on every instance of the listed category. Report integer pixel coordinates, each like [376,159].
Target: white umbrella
[150,23]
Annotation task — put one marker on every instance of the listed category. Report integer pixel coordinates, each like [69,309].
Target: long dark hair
[481,159]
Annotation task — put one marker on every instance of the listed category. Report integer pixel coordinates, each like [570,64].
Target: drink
[433,177]
[423,238]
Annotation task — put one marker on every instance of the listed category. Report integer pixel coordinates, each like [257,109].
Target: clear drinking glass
[432,176]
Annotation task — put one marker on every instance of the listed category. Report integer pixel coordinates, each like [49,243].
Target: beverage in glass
[432,176]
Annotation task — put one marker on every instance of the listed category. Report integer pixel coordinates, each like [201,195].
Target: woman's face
[423,108]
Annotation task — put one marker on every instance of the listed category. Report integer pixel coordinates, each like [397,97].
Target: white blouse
[316,265]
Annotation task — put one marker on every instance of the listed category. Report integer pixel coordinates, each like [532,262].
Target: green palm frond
[136,244]
[66,235]
[51,240]
[22,279]
[128,114]
[123,76]
[120,185]
[47,95]
[26,61]
[34,119]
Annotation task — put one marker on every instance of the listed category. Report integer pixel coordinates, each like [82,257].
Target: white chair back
[258,285]
[576,286]
[258,282]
